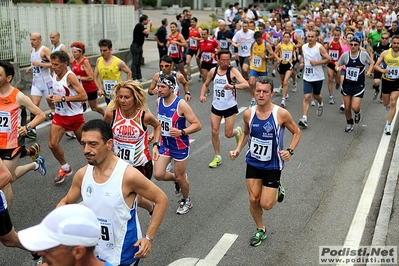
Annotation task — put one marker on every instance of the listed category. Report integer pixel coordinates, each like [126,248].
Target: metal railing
[74,23]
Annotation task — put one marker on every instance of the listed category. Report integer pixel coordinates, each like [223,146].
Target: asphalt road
[323,180]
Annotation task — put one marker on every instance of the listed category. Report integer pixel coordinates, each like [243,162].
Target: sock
[305,117]
[350,121]
[36,166]
[320,104]
[357,112]
[219,156]
[301,70]
[65,166]
[331,96]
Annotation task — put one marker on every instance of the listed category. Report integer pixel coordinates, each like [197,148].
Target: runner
[243,40]
[12,143]
[208,48]
[68,97]
[193,41]
[378,49]
[312,61]
[109,187]
[108,70]
[266,155]
[175,144]
[390,80]
[175,43]
[285,55]
[354,82]
[226,80]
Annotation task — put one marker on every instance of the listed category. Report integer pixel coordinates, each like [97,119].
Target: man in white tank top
[67,97]
[314,56]
[224,104]
[109,187]
[40,68]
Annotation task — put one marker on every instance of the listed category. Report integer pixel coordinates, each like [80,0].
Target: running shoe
[42,170]
[349,128]
[253,103]
[331,100]
[313,103]
[177,189]
[34,151]
[287,96]
[216,162]
[282,104]
[189,77]
[319,111]
[376,92]
[342,108]
[358,117]
[274,73]
[387,129]
[278,90]
[239,134]
[31,135]
[299,75]
[280,193]
[303,123]
[337,86]
[70,134]
[199,78]
[184,206]
[258,237]
[62,173]
[294,87]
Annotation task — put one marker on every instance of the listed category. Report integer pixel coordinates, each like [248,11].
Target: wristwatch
[291,151]
[28,127]
[188,92]
[183,133]
[63,99]
[156,144]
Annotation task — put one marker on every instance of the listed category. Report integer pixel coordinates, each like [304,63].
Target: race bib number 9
[261,149]
[166,124]
[107,240]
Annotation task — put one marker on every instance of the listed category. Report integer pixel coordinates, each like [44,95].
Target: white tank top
[222,99]
[40,74]
[61,88]
[58,48]
[312,73]
[119,222]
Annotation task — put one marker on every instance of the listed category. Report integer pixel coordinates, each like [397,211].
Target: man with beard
[375,36]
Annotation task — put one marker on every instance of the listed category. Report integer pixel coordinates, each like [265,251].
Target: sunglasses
[354,44]
[163,66]
[385,38]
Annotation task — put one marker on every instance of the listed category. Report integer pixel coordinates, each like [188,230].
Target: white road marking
[213,257]
[358,224]
[240,110]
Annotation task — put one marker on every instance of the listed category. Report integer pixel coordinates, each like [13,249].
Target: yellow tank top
[286,51]
[393,66]
[257,63]
[109,75]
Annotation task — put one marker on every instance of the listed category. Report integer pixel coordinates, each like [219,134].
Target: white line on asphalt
[218,251]
[358,224]
[240,110]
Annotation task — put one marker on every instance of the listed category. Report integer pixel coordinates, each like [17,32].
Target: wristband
[149,238]
[156,144]
[187,93]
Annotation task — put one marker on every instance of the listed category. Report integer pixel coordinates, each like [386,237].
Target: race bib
[223,44]
[5,122]
[261,149]
[274,40]
[219,93]
[107,240]
[286,55]
[36,72]
[393,72]
[308,70]
[257,61]
[108,86]
[334,55]
[173,49]
[352,73]
[206,57]
[193,43]
[166,124]
[245,47]
[125,151]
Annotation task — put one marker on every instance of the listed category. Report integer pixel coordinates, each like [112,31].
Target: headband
[76,48]
[167,82]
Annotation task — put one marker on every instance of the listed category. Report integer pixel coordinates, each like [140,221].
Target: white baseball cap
[69,225]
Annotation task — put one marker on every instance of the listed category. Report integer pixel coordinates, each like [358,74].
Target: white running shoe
[184,206]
